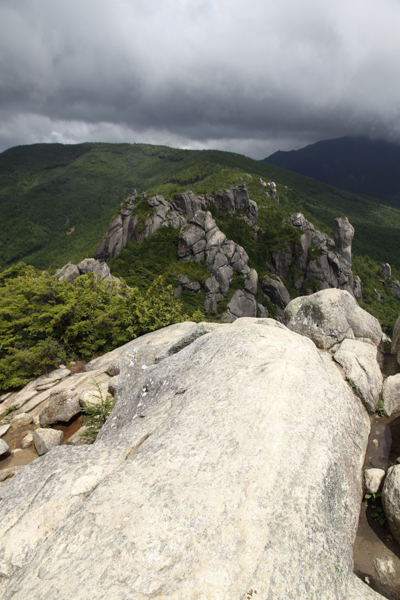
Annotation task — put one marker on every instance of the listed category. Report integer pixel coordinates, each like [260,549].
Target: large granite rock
[391,395]
[359,362]
[396,337]
[391,500]
[231,465]
[62,407]
[330,316]
[275,290]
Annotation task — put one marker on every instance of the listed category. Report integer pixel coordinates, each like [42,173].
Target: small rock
[27,440]
[113,385]
[373,479]
[375,443]
[384,568]
[4,447]
[46,439]
[391,395]
[21,420]
[78,438]
[4,429]
[62,407]
[113,369]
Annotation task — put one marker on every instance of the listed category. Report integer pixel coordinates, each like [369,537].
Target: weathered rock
[68,273]
[194,286]
[113,385]
[177,497]
[276,291]
[387,270]
[359,362]
[27,440]
[242,304]
[4,447]
[251,283]
[91,265]
[396,288]
[4,429]
[391,395]
[78,438]
[373,479]
[21,420]
[62,407]
[330,316]
[46,439]
[344,233]
[212,285]
[357,289]
[282,260]
[391,500]
[396,337]
[113,369]
[262,311]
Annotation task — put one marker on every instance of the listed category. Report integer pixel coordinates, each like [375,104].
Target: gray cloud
[248,76]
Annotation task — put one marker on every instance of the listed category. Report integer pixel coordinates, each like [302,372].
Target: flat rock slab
[233,464]
[4,429]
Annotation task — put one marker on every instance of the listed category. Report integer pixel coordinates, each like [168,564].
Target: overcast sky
[249,76]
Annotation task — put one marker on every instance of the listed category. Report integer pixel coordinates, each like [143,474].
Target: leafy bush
[43,321]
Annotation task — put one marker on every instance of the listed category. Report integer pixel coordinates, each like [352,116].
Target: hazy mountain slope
[56,201]
[358,165]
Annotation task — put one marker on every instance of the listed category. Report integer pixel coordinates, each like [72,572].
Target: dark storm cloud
[250,76]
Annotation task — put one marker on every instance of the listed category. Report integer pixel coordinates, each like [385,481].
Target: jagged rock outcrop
[321,260]
[71,272]
[120,231]
[237,198]
[200,240]
[177,498]
[387,270]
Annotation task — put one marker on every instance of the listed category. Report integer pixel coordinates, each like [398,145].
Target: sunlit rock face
[232,462]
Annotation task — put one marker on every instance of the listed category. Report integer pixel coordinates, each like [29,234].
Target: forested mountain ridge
[56,201]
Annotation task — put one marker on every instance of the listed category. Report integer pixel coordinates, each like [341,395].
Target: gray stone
[78,438]
[62,407]
[357,288]
[242,305]
[67,273]
[390,500]
[344,233]
[320,268]
[359,362]
[113,385]
[263,312]
[391,395]
[4,447]
[330,316]
[195,286]
[224,277]
[387,270]
[373,479]
[177,497]
[212,285]
[21,420]
[4,429]
[396,288]
[396,337]
[46,439]
[282,260]
[276,291]
[113,369]
[91,265]
[27,441]
[251,283]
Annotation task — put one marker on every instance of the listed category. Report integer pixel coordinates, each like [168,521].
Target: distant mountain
[354,164]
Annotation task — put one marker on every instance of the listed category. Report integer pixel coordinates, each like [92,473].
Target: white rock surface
[27,440]
[188,492]
[21,420]
[391,395]
[4,429]
[373,479]
[4,448]
[359,362]
[391,500]
[46,439]
[330,316]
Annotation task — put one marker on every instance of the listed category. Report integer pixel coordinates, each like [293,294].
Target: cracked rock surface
[177,499]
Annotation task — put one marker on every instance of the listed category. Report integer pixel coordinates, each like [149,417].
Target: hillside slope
[354,164]
[56,201]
